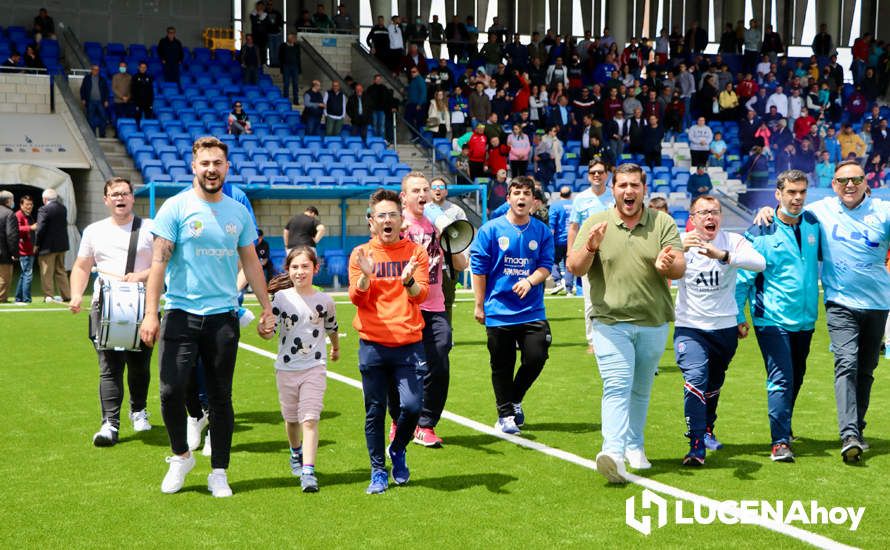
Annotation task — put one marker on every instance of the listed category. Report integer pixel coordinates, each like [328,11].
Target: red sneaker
[427,437]
[392,431]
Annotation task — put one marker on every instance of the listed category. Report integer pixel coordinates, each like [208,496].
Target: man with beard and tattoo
[199,236]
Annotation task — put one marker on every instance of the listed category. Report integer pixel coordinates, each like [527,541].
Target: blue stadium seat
[327,181]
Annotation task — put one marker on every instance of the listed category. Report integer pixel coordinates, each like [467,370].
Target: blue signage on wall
[329,42]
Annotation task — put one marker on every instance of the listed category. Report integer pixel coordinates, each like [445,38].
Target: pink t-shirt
[423,232]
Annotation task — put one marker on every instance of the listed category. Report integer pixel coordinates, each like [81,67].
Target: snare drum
[121,309]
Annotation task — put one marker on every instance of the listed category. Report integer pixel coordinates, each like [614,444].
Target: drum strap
[134,239]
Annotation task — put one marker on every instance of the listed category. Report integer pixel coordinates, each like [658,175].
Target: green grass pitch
[477,491]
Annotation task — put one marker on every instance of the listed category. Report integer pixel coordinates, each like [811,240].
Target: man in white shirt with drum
[106,246]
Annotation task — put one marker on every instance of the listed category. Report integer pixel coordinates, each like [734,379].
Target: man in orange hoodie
[388,280]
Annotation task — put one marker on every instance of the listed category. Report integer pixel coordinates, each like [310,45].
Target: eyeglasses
[119,195]
[852,180]
[706,213]
[382,216]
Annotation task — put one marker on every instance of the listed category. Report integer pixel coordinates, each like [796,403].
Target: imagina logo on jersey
[655,512]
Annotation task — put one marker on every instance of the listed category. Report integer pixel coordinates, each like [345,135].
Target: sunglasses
[434,187]
[596,172]
[854,180]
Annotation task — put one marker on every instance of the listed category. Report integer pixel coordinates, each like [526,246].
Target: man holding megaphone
[427,225]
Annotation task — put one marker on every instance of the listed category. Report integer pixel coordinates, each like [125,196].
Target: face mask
[789,214]
[122,70]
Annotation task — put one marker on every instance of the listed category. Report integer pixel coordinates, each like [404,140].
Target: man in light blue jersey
[510,260]
[585,204]
[199,236]
[855,236]
[784,302]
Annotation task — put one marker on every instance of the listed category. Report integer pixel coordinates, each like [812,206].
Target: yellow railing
[219,37]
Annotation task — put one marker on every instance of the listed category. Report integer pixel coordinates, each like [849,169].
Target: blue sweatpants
[703,357]
[381,366]
[785,357]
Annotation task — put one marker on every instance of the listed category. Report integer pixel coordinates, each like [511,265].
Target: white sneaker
[58,299]
[636,458]
[140,421]
[194,427]
[558,288]
[611,467]
[175,478]
[48,300]
[106,436]
[207,451]
[218,483]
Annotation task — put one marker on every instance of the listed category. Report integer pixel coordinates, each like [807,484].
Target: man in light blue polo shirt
[855,238]
[200,236]
[585,204]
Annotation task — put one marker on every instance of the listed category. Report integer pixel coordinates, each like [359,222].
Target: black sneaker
[852,449]
[782,453]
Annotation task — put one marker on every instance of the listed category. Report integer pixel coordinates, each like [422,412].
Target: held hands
[522,287]
[597,233]
[665,260]
[694,240]
[743,330]
[266,325]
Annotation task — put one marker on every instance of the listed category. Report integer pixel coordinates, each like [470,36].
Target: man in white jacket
[706,333]
[779,100]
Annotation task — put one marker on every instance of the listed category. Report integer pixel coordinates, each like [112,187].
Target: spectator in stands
[343,21]
[588,131]
[416,33]
[32,59]
[699,183]
[860,50]
[334,109]
[491,53]
[493,128]
[865,136]
[12,63]
[321,20]
[706,98]
[824,171]
[304,22]
[26,253]
[781,137]
[616,132]
[122,88]
[313,108]
[802,124]
[804,158]
[437,37]
[378,40]
[653,135]
[415,100]
[440,77]
[762,139]
[359,110]
[275,28]
[772,44]
[462,163]
[381,103]
[752,44]
[851,144]
[291,64]
[259,30]
[94,97]
[44,26]
[9,242]
[238,122]
[496,159]
[729,103]
[142,93]
[438,119]
[264,254]
[478,150]
[472,45]
[304,230]
[457,38]
[779,100]
[548,156]
[520,151]
[700,137]
[171,54]
[696,39]
[880,136]
[250,61]
[856,104]
[413,59]
[479,104]
[874,172]
[832,145]
[757,169]
[823,46]
[396,43]
[718,150]
[635,131]
[458,112]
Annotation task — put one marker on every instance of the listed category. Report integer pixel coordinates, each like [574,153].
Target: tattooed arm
[162,250]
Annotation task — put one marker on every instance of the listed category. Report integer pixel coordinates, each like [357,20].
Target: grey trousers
[856,342]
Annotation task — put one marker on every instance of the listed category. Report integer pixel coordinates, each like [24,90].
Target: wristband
[409,283]
[530,283]
[591,250]
[725,258]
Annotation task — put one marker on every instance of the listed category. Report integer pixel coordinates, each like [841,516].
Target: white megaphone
[456,235]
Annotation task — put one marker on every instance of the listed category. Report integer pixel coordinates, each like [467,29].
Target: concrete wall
[126,21]
[335,48]
[24,93]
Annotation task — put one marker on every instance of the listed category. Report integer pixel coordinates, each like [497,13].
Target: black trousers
[184,338]
[533,341]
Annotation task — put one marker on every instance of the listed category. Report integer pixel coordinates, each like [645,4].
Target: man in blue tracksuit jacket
[784,302]
[559,226]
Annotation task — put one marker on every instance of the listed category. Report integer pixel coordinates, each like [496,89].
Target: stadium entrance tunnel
[21,178]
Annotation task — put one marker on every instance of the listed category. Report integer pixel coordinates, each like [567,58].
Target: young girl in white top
[303,316]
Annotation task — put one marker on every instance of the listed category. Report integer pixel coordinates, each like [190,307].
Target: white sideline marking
[38,310]
[814,539]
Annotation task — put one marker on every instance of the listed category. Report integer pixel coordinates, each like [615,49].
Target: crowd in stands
[36,48]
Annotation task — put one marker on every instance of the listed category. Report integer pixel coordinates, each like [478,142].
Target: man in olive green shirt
[628,252]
